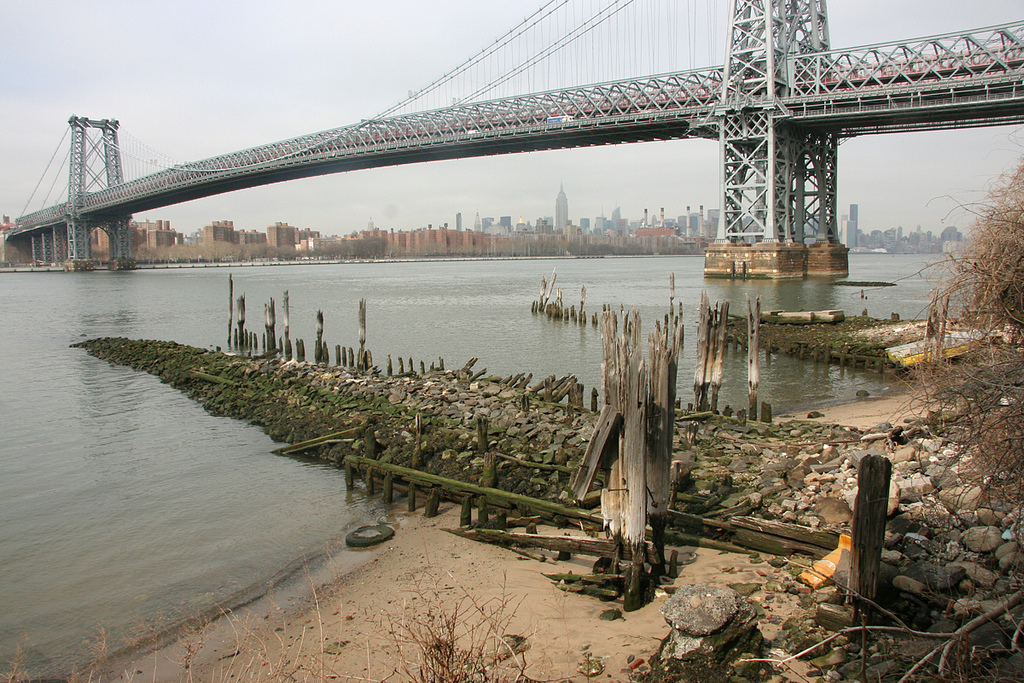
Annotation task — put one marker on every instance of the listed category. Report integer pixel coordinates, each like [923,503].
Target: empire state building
[561,209]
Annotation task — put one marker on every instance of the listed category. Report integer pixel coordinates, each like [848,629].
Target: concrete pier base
[775,260]
[825,259]
[77,264]
[121,264]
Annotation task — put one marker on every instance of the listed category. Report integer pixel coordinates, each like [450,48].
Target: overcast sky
[197,78]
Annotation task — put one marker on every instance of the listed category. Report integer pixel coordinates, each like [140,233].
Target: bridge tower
[95,163]
[778,179]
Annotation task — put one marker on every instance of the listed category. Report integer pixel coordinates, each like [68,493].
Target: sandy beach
[365,614]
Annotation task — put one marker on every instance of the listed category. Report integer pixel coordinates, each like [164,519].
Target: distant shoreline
[335,262]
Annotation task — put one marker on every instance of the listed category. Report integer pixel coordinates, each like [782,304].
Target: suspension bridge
[778,106]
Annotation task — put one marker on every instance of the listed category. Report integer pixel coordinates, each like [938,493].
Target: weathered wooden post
[702,367]
[466,513]
[270,320]
[869,515]
[633,443]
[287,330]
[721,319]
[231,306]
[631,376]
[433,501]
[318,349]
[389,488]
[671,291]
[753,355]
[661,397]
[242,340]
[361,358]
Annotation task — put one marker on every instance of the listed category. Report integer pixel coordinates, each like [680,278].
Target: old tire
[366,536]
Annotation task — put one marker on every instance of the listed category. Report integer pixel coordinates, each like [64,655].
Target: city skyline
[265,87]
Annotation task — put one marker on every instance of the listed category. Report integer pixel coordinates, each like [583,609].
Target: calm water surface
[121,500]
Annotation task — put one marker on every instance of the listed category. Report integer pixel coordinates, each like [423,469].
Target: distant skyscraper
[852,228]
[477,225]
[458,222]
[561,209]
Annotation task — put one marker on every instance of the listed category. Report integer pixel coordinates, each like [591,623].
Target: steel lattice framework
[779,107]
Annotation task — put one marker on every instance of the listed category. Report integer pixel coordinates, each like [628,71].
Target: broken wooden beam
[352,433]
[594,547]
[457,489]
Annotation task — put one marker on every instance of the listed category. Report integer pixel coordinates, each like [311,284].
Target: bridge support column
[120,233]
[778,179]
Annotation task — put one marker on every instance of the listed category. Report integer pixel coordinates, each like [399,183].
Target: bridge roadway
[951,81]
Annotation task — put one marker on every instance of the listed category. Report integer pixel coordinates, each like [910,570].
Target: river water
[123,502]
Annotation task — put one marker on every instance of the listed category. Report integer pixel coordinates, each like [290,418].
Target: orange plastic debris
[822,570]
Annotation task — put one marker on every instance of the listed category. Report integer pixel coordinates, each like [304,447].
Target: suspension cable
[59,145]
[525,25]
[56,177]
[567,39]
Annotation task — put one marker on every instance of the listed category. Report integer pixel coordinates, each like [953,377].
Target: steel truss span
[778,107]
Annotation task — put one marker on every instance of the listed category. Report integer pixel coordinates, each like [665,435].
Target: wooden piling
[702,366]
[466,515]
[411,496]
[433,501]
[721,319]
[661,398]
[242,338]
[300,351]
[753,355]
[287,328]
[270,315]
[360,359]
[482,510]
[869,517]
[388,494]
[318,351]
[231,306]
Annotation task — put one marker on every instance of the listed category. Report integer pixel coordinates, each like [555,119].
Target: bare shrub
[981,397]
[460,641]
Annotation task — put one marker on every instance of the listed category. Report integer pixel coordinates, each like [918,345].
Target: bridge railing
[950,58]
[690,93]
[48,216]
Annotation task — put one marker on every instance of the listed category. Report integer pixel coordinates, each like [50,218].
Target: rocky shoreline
[951,553]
